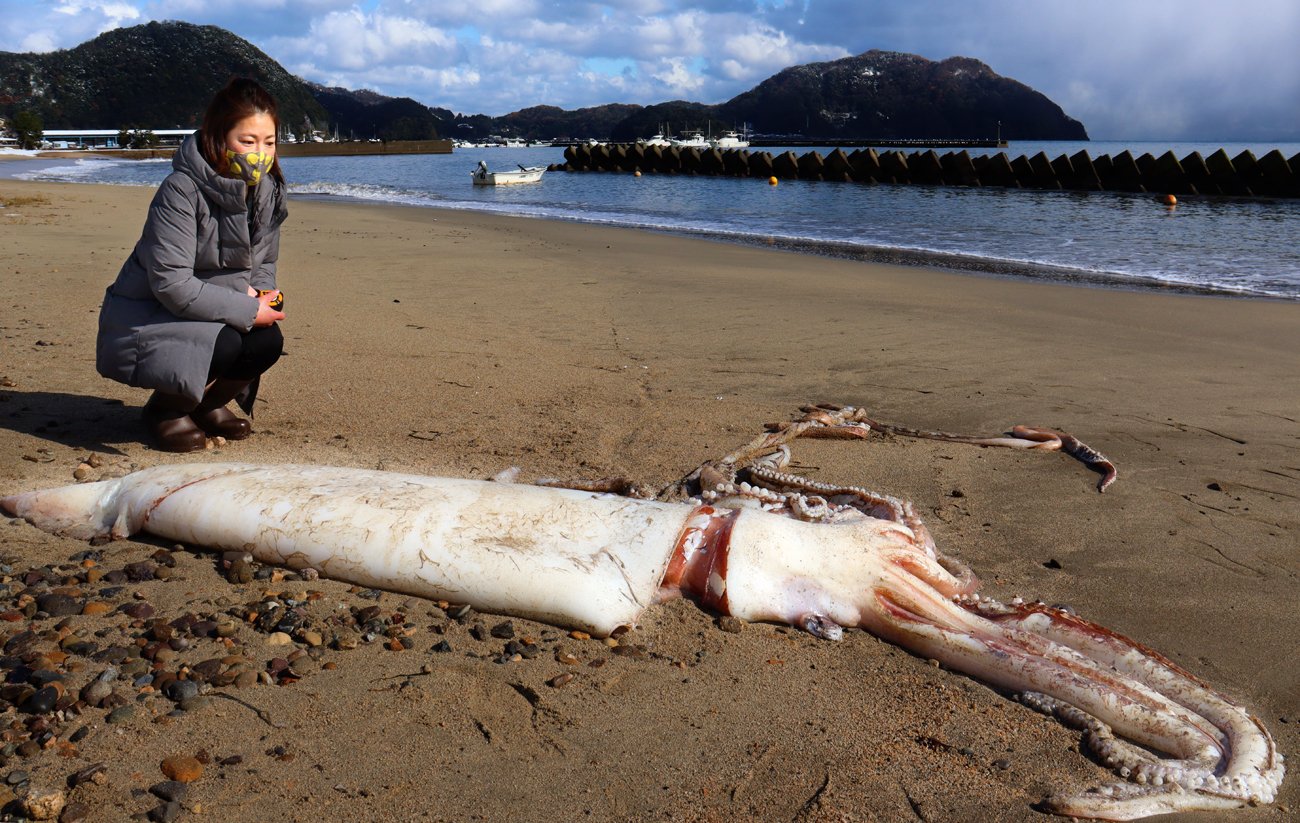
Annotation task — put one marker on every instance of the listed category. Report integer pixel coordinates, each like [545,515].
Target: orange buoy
[772,181]
[636,174]
[1169,200]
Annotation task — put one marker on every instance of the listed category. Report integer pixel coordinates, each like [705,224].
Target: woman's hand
[266,315]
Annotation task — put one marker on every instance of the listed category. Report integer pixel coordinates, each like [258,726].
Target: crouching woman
[193,313]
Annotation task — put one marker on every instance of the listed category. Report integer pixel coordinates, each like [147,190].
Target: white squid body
[596,561]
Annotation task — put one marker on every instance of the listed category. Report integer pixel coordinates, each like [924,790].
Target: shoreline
[935,260]
[445,342]
[958,262]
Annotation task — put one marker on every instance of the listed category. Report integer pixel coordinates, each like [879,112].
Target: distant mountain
[161,75]
[555,122]
[885,94]
[157,75]
[365,114]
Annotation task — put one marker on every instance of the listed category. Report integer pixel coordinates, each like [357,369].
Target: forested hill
[161,75]
[886,94]
[157,75]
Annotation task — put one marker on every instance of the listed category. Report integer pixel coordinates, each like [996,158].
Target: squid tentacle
[848,422]
[1249,764]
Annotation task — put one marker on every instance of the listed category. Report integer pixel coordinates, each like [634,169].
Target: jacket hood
[226,192]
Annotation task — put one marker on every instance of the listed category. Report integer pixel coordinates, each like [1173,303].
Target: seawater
[1244,247]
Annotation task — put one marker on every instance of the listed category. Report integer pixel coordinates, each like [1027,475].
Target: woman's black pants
[245,355]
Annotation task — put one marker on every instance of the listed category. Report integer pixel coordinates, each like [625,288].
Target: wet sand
[462,344]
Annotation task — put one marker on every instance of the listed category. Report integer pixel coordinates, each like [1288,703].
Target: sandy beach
[463,344]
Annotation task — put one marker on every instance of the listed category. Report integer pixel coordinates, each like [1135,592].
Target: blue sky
[1129,69]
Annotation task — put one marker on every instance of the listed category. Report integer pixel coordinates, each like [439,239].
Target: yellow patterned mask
[250,166]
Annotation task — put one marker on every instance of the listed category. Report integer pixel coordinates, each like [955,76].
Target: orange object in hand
[277,303]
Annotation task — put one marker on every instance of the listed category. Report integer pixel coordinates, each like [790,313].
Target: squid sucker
[743,538]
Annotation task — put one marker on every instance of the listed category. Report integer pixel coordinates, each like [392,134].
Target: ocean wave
[86,170]
[1222,246]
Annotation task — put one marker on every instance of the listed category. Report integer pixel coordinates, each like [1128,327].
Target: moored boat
[731,140]
[526,174]
[691,140]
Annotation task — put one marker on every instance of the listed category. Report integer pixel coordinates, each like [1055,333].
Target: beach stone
[503,631]
[74,812]
[120,715]
[97,774]
[141,572]
[95,608]
[138,611]
[196,703]
[169,790]
[207,669]
[240,571]
[182,768]
[178,691]
[58,605]
[730,624]
[346,640]
[245,679]
[41,701]
[101,687]
[41,804]
[165,812]
[304,666]
[162,631]
[17,777]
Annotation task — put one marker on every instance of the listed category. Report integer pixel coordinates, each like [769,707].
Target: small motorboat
[731,140]
[526,174]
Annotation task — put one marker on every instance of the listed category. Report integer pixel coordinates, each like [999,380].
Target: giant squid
[741,536]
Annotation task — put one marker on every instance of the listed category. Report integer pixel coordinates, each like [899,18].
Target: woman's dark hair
[242,97]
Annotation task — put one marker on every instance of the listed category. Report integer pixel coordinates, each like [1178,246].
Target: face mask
[249,167]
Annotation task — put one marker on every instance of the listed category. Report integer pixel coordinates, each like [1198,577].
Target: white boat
[691,140]
[730,140]
[657,140]
[526,174]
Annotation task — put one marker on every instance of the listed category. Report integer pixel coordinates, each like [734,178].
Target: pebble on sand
[182,768]
[43,805]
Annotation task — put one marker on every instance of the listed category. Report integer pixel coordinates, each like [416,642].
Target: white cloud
[1155,68]
[357,41]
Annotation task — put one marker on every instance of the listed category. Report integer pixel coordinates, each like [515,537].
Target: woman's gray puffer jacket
[202,246]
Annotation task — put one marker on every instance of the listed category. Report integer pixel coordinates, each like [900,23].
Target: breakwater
[1245,175]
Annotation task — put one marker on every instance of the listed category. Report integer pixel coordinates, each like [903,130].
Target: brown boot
[212,415]
[167,416]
